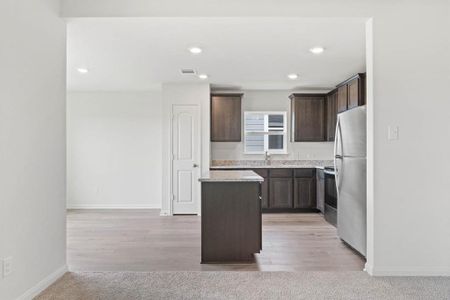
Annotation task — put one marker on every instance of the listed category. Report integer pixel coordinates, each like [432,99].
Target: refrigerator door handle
[338,140]
[335,143]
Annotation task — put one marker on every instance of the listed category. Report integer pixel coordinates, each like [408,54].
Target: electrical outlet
[7,266]
[393,133]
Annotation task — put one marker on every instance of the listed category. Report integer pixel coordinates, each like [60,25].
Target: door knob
[195,165]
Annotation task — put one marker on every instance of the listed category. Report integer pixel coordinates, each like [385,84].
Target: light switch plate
[393,133]
[7,266]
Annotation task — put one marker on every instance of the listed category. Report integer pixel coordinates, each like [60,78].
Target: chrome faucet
[267,156]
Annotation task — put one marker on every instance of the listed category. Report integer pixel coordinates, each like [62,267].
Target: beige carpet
[244,285]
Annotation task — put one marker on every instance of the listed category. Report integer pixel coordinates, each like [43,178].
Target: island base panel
[231,221]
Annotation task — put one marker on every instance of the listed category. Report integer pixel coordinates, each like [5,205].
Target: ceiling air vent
[188,71]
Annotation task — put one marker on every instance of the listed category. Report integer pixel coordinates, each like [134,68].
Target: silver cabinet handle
[195,165]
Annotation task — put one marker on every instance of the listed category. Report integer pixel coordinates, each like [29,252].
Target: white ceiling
[238,53]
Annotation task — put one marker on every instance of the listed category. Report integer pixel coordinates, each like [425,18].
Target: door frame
[198,107]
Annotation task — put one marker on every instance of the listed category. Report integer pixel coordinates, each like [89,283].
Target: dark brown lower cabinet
[305,193]
[287,190]
[265,193]
[264,173]
[305,188]
[280,192]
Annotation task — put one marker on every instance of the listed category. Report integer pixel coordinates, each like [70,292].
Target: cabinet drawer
[280,173]
[301,173]
[261,172]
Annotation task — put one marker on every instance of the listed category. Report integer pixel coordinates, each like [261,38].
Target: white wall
[176,93]
[32,145]
[408,73]
[266,100]
[114,150]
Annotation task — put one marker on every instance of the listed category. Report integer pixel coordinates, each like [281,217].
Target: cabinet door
[354,93]
[305,193]
[308,118]
[331,115]
[342,98]
[225,118]
[280,193]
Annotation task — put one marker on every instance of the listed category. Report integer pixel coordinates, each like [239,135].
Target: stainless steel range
[331,204]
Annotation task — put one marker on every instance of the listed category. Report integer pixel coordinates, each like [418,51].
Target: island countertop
[231,176]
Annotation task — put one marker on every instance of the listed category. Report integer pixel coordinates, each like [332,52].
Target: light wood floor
[141,240]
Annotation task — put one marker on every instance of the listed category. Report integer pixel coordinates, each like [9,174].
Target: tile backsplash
[296,151]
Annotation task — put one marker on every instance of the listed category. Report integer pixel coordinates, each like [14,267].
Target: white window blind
[265,131]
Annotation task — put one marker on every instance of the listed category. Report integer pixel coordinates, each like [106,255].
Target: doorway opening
[139,136]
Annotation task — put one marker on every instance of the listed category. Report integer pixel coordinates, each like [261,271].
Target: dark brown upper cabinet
[347,95]
[351,93]
[356,91]
[331,115]
[342,101]
[308,117]
[226,117]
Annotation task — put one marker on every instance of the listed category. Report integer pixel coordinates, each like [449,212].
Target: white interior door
[186,159]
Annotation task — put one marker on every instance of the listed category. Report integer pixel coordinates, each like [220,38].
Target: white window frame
[266,132]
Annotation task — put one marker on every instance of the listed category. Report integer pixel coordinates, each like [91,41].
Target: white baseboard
[368,268]
[164,213]
[43,284]
[96,206]
[407,271]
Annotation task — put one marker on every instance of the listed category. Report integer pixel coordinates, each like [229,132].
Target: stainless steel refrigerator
[350,172]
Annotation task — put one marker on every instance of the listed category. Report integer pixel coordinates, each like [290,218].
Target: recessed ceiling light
[188,71]
[82,70]
[203,76]
[293,76]
[317,50]
[195,50]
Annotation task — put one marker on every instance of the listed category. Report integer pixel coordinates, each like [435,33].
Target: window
[265,131]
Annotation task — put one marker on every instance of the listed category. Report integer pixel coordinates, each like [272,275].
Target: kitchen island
[231,216]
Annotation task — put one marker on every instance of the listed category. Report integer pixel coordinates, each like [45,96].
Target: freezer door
[352,203]
[351,128]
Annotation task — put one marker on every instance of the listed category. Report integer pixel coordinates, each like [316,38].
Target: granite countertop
[261,164]
[231,176]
